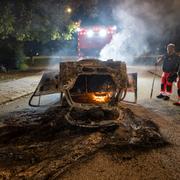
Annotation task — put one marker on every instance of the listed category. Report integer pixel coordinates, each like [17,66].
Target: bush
[23,67]
[12,55]
[20,58]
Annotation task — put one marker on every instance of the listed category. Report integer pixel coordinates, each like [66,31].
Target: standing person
[170,67]
[178,89]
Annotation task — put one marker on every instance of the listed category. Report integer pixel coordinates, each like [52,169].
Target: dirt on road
[44,146]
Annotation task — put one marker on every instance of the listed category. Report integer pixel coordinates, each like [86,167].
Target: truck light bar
[96,31]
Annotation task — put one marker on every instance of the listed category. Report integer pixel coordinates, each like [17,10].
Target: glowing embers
[93,89]
[102,97]
[92,98]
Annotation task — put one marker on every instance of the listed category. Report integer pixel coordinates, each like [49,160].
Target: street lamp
[68,10]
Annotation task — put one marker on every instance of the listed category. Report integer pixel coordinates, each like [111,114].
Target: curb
[8,101]
[154,73]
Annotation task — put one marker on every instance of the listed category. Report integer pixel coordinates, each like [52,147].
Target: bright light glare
[114,28]
[90,33]
[78,29]
[102,32]
[69,10]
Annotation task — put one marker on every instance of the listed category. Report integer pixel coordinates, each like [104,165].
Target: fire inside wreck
[89,84]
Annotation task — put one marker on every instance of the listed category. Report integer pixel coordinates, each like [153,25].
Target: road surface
[53,150]
[145,79]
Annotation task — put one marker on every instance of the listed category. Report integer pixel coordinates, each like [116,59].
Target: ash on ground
[43,145]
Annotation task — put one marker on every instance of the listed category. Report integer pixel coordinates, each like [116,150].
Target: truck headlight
[90,33]
[102,33]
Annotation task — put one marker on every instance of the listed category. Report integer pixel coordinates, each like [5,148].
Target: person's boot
[160,96]
[177,103]
[166,98]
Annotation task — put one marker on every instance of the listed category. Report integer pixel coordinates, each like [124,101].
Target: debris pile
[45,145]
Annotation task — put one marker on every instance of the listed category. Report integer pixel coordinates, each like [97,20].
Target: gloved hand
[172,77]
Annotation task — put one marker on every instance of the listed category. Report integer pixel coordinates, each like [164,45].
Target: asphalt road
[144,89]
[32,150]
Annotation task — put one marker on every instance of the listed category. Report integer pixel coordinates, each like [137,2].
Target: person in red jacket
[178,89]
[170,67]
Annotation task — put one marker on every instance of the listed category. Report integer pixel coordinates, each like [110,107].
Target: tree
[35,20]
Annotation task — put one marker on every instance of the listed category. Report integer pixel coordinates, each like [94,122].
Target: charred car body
[90,88]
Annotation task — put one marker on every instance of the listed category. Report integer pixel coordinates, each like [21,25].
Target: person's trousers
[178,87]
[166,86]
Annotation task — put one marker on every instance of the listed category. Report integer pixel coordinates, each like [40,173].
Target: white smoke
[140,21]
[127,43]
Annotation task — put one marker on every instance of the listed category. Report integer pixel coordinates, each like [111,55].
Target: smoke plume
[143,26]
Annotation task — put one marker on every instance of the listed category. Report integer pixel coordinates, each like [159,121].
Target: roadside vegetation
[34,21]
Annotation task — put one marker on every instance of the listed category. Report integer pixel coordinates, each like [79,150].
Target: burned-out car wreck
[91,89]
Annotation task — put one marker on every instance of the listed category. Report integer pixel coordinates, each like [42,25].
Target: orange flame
[93,97]
[102,97]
